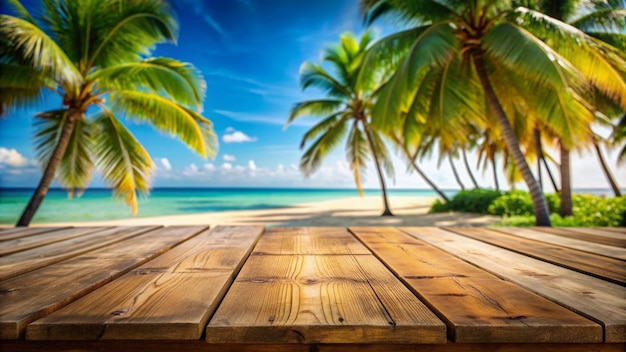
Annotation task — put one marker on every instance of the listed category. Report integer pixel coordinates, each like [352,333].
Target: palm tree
[498,48]
[605,20]
[94,55]
[346,112]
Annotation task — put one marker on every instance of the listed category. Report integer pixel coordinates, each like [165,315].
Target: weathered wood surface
[35,294]
[309,287]
[621,230]
[606,235]
[22,262]
[477,306]
[170,297]
[607,268]
[596,299]
[20,232]
[596,248]
[316,289]
[20,244]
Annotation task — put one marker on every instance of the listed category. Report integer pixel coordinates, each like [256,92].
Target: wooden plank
[600,249]
[606,268]
[202,346]
[19,232]
[42,239]
[33,295]
[477,306]
[319,298]
[170,297]
[607,238]
[620,230]
[596,299]
[311,240]
[22,262]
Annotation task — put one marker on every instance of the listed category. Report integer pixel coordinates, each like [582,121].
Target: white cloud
[228,157]
[251,165]
[209,167]
[166,164]
[227,166]
[12,157]
[237,137]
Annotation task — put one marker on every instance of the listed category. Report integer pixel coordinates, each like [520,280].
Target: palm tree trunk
[566,184]
[607,171]
[469,170]
[552,179]
[419,170]
[539,153]
[387,211]
[542,215]
[49,171]
[495,173]
[456,174]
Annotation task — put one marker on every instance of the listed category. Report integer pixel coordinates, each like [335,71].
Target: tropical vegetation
[96,56]
[345,114]
[487,74]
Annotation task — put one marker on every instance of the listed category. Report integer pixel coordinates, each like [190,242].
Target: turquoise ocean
[98,203]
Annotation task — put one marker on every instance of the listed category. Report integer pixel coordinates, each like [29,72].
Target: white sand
[354,211]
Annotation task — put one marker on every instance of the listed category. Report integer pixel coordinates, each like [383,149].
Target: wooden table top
[153,288]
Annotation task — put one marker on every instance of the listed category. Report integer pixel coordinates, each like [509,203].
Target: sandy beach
[353,211]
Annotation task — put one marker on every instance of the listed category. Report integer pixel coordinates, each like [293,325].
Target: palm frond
[385,55]
[433,48]
[165,115]
[178,80]
[21,10]
[382,152]
[47,127]
[19,86]
[313,75]
[320,107]
[594,60]
[407,11]
[313,156]
[321,127]
[357,153]
[125,164]
[74,172]
[124,31]
[34,47]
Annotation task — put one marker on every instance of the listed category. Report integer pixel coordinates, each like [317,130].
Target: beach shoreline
[349,211]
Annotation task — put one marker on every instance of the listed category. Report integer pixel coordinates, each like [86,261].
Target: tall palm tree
[498,48]
[345,112]
[94,55]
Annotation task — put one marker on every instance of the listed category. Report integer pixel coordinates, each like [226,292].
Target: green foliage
[473,201]
[588,211]
[520,203]
[516,208]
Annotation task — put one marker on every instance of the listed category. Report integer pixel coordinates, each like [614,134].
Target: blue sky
[249,52]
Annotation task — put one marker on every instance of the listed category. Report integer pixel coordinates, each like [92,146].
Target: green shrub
[588,211]
[520,203]
[472,201]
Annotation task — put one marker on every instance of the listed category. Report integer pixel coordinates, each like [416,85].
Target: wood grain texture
[33,295]
[319,298]
[594,298]
[582,245]
[311,240]
[20,232]
[478,307]
[605,237]
[41,239]
[22,262]
[170,297]
[202,346]
[606,268]
[620,230]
